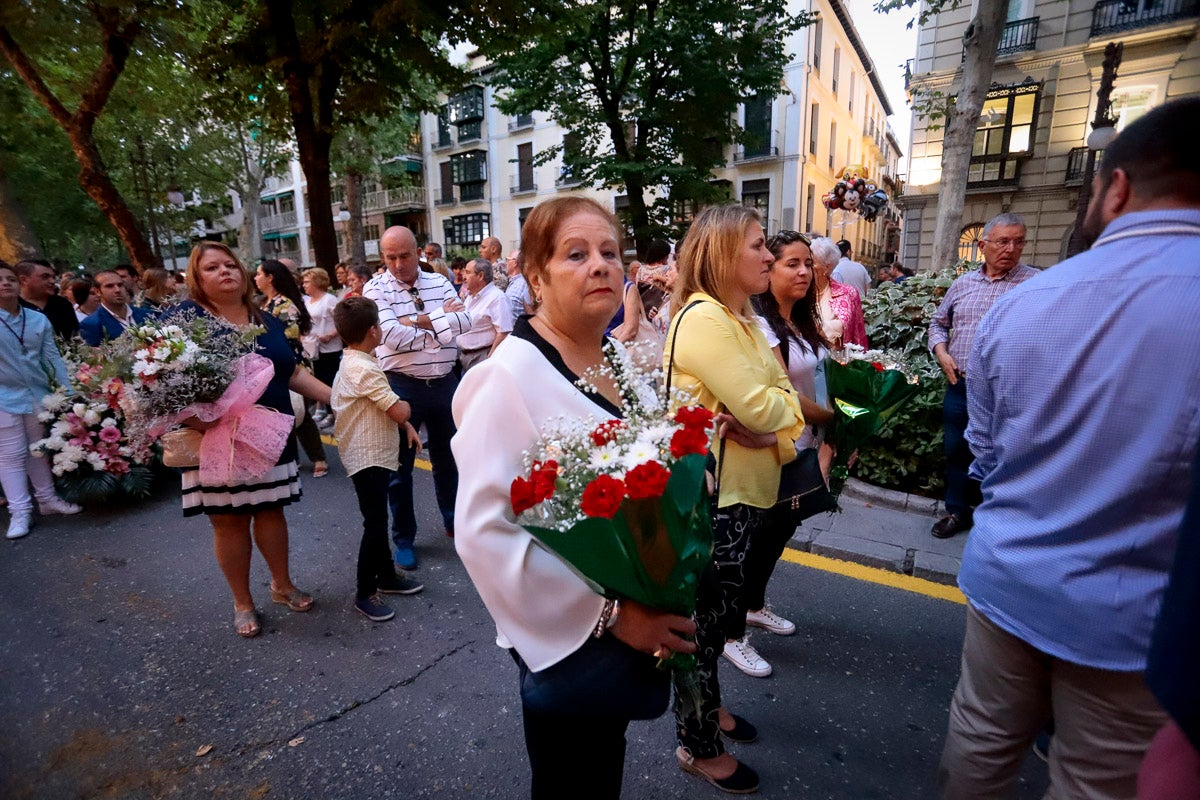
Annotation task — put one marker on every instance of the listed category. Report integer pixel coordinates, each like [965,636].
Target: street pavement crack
[335,716]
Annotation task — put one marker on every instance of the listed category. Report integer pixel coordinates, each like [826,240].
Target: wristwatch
[414,318]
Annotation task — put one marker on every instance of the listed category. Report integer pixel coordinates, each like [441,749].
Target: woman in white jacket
[548,618]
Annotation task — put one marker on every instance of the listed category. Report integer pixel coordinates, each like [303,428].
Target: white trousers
[19,467]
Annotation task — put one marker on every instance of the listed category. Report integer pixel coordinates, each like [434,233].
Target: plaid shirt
[962,308]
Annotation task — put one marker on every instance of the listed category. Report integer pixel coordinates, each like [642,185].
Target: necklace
[20,336]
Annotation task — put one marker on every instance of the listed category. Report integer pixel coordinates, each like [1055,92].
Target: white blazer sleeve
[540,607]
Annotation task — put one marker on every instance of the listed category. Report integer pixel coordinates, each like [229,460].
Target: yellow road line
[419,463]
[875,575]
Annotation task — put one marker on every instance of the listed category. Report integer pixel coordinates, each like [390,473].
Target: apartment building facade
[1030,147]
[481,179]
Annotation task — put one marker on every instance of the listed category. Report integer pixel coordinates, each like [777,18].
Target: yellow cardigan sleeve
[733,364]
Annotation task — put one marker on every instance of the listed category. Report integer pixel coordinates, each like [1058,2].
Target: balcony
[1077,165]
[520,122]
[445,201]
[755,154]
[276,222]
[1018,37]
[1113,16]
[567,181]
[523,188]
[407,197]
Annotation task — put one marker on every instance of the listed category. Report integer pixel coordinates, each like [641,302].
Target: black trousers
[575,757]
[766,547]
[374,555]
[430,401]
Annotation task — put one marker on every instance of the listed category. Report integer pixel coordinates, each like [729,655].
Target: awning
[273,235]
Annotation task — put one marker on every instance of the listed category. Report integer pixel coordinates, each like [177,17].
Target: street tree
[73,78]
[339,64]
[649,89]
[960,113]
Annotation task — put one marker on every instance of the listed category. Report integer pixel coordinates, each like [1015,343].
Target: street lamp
[1104,130]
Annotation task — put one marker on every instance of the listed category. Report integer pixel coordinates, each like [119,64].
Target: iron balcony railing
[1077,164]
[523,188]
[1112,16]
[1017,37]
[275,222]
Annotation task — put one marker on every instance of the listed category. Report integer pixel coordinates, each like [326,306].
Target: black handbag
[604,677]
[802,489]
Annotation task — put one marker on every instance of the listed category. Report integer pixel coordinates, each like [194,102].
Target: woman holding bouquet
[219,286]
[283,300]
[28,356]
[558,630]
[717,354]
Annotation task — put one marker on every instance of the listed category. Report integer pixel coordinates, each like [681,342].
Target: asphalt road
[121,677]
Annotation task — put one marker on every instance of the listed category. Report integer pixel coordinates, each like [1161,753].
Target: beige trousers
[1103,721]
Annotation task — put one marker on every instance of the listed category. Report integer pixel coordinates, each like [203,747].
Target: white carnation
[605,459]
[639,453]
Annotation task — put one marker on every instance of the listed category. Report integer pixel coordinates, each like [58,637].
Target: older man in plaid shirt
[951,333]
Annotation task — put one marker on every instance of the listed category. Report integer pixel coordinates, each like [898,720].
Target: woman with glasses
[839,305]
[717,354]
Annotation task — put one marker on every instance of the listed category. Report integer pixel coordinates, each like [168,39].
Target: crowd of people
[1070,421]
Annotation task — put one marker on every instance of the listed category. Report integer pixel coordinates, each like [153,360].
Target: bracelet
[607,617]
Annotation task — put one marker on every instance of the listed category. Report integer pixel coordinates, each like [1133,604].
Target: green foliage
[103,488]
[624,78]
[907,454]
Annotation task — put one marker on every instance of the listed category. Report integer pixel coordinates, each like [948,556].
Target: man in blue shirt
[1084,405]
[115,313]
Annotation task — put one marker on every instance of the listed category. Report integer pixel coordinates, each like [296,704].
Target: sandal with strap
[246,623]
[295,600]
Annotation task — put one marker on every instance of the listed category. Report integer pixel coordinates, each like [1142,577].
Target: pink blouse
[847,306]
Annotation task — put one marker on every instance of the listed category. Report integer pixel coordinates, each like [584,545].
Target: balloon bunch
[854,195]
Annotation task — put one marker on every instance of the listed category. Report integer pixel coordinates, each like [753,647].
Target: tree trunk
[354,226]
[249,188]
[118,37]
[980,41]
[17,239]
[95,181]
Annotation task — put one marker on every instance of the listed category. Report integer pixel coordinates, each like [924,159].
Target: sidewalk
[885,529]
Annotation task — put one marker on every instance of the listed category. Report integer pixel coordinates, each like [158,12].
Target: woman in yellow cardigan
[721,359]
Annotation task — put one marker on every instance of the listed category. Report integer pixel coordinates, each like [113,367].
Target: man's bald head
[398,248]
[490,248]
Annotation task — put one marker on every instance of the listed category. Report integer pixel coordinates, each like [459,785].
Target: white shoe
[19,525]
[57,505]
[768,620]
[746,658]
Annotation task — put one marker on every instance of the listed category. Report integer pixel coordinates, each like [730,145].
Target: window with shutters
[525,169]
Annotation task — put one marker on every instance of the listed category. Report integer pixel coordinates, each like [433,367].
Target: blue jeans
[430,401]
[962,491]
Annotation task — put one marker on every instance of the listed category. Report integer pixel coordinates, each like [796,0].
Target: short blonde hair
[707,261]
[539,235]
[318,276]
[196,293]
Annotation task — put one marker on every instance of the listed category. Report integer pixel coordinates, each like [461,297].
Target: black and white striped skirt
[278,488]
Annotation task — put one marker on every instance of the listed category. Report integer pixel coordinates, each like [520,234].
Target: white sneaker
[57,505]
[19,525]
[746,658]
[768,620]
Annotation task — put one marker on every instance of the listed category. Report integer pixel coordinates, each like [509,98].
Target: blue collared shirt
[25,369]
[1084,406]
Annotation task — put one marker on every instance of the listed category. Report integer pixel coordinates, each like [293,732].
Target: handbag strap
[670,369]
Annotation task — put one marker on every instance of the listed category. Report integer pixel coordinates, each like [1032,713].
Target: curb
[890,498]
[932,567]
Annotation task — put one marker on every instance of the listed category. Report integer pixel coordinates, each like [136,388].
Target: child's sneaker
[372,609]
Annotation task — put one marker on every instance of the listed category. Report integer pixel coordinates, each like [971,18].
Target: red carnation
[602,497]
[544,474]
[647,480]
[606,432]
[878,367]
[696,417]
[688,441]
[523,495]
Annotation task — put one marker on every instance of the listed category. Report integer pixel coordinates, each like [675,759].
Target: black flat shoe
[743,732]
[949,525]
[744,780]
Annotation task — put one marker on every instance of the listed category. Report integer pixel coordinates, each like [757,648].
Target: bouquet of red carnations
[624,503]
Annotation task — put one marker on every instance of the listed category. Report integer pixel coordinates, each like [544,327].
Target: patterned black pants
[719,611]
